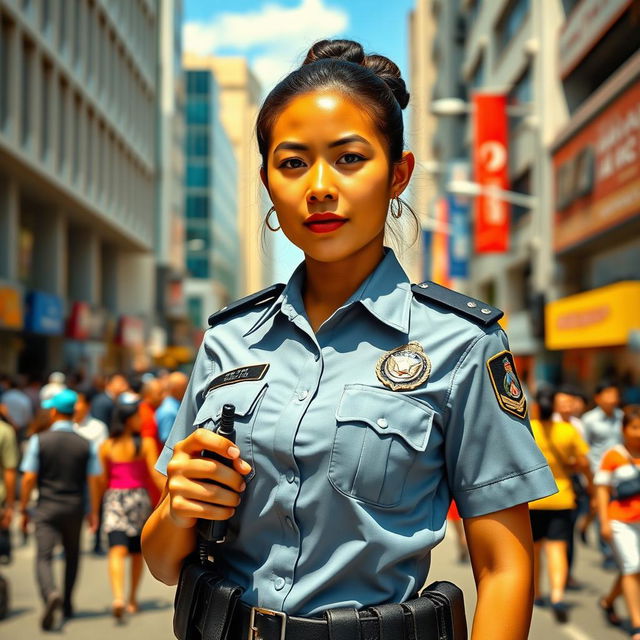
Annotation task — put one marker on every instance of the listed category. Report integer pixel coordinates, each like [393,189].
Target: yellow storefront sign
[600,318]
[10,308]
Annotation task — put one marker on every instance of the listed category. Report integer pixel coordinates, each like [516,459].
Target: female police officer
[362,403]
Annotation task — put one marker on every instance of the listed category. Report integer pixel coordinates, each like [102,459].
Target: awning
[602,317]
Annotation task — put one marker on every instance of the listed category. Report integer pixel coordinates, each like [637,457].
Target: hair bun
[388,71]
[348,50]
[352,51]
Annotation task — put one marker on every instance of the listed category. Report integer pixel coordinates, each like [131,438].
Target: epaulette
[270,293]
[475,310]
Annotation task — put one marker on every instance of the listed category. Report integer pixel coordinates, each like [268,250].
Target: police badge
[506,385]
[404,368]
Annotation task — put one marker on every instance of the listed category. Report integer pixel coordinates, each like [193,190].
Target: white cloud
[274,37]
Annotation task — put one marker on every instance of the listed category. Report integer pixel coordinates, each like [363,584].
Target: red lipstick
[324,222]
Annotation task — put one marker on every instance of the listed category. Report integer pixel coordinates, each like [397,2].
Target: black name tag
[241,374]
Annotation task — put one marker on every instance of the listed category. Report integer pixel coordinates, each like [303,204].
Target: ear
[402,172]
[265,181]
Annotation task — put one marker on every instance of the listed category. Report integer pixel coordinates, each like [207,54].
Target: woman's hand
[190,496]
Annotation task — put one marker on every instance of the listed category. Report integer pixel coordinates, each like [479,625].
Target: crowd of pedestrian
[89,449]
[595,458]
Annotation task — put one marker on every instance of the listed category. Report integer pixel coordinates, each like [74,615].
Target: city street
[94,620]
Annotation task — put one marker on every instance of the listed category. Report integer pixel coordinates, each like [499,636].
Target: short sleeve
[191,402]
[9,450]
[580,447]
[493,461]
[30,461]
[609,463]
[94,468]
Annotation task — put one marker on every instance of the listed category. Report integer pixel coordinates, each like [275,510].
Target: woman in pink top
[127,465]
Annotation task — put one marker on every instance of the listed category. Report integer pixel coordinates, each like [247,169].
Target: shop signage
[11,316]
[583,29]
[130,331]
[598,173]
[491,233]
[45,313]
[603,317]
[459,223]
[79,322]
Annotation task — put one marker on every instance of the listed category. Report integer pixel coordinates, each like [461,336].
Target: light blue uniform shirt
[351,481]
[30,461]
[165,416]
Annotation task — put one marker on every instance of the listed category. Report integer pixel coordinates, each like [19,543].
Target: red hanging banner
[491,233]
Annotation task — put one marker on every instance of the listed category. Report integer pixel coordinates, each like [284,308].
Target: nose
[320,184]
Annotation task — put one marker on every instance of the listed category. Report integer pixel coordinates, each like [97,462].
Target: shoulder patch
[270,293]
[506,385]
[472,309]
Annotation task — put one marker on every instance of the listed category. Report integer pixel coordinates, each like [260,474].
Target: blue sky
[275,35]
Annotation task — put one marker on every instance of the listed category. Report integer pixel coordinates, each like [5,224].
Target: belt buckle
[253,631]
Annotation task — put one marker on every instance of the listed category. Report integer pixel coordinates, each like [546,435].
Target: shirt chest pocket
[246,398]
[378,436]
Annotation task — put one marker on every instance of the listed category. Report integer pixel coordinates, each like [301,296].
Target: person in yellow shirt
[551,523]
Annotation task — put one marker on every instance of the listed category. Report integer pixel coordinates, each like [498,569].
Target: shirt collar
[385,293]
[62,425]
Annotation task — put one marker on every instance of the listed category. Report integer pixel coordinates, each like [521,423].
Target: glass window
[198,142]
[520,94]
[198,82]
[522,184]
[62,125]
[198,237]
[77,31]
[27,63]
[44,113]
[197,175]
[197,207]
[5,35]
[477,76]
[510,22]
[76,137]
[198,267]
[195,310]
[197,112]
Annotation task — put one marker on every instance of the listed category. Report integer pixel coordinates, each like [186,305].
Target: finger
[210,493]
[242,466]
[207,469]
[206,439]
[185,508]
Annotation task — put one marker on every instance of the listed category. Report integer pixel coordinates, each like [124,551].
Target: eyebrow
[297,146]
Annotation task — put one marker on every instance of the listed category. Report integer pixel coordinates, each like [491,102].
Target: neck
[328,285]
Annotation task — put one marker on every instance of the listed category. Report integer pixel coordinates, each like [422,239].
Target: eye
[284,165]
[355,157]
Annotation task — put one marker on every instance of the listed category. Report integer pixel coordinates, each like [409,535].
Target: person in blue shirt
[60,463]
[168,410]
[363,404]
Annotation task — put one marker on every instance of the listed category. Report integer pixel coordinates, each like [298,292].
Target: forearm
[10,486]
[511,594]
[603,496]
[28,483]
[165,560]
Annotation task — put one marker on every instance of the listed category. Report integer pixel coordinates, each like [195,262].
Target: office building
[211,204]
[77,196]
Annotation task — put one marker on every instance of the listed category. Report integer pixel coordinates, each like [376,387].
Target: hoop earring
[397,213]
[266,220]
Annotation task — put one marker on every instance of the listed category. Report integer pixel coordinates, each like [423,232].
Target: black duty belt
[207,607]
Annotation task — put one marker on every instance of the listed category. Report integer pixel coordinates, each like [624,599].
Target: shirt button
[291,476]
[279,583]
[303,395]
[382,423]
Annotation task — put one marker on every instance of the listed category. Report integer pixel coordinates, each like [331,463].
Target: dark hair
[605,384]
[135,382]
[631,413]
[572,390]
[372,81]
[545,397]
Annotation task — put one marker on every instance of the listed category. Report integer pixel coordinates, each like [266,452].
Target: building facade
[77,194]
[239,104]
[570,70]
[593,327]
[211,204]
